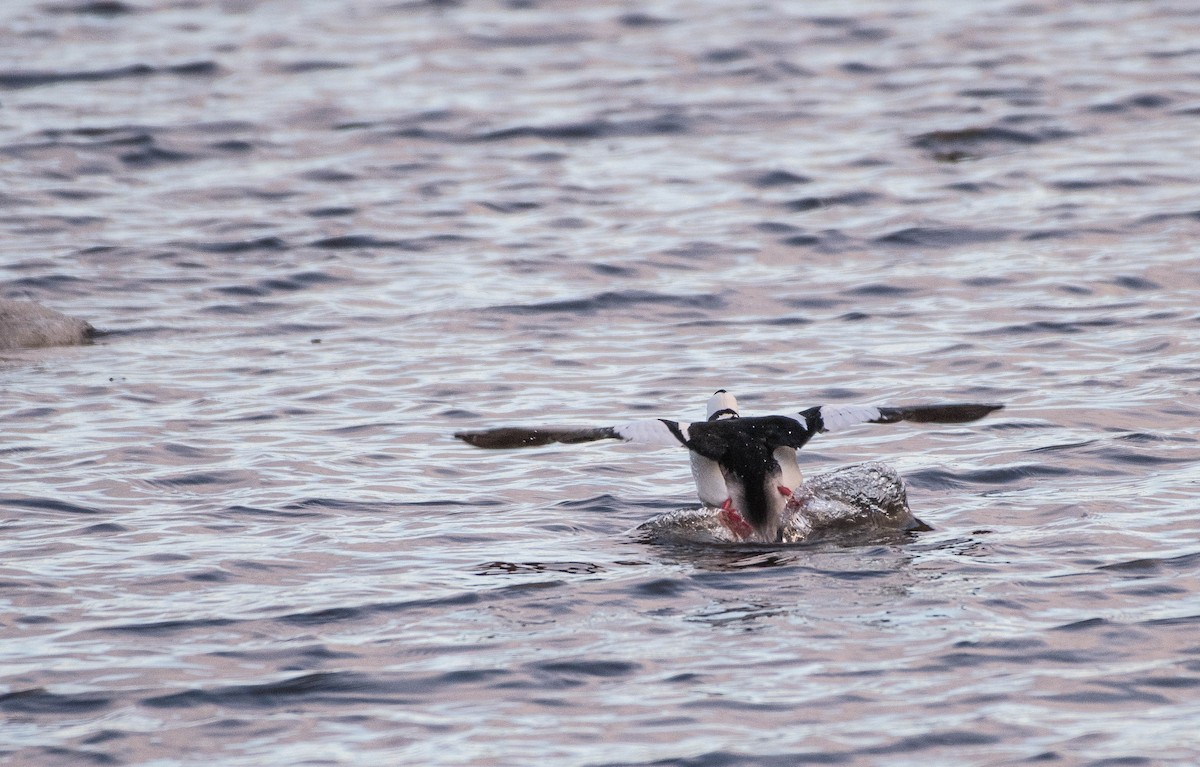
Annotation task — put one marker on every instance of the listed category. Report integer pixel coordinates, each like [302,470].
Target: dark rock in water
[860,501]
[28,325]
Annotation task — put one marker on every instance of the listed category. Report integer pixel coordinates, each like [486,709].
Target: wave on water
[614,301]
[18,79]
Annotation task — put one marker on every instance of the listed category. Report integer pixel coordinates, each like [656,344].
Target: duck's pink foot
[797,498]
[736,523]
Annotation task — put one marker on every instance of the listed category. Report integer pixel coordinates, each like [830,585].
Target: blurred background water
[321,237]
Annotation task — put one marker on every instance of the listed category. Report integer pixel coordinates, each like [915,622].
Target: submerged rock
[28,325]
[864,500]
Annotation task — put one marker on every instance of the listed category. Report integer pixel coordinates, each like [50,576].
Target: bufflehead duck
[745,466]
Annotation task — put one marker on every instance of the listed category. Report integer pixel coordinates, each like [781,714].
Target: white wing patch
[839,417]
[656,433]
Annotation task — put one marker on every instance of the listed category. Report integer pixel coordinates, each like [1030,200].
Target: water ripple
[33,79]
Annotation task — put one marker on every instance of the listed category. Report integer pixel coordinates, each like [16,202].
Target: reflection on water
[319,241]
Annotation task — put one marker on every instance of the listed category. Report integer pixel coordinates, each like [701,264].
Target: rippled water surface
[321,237]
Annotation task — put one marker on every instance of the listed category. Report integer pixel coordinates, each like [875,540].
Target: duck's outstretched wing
[655,433]
[661,432]
[837,417]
